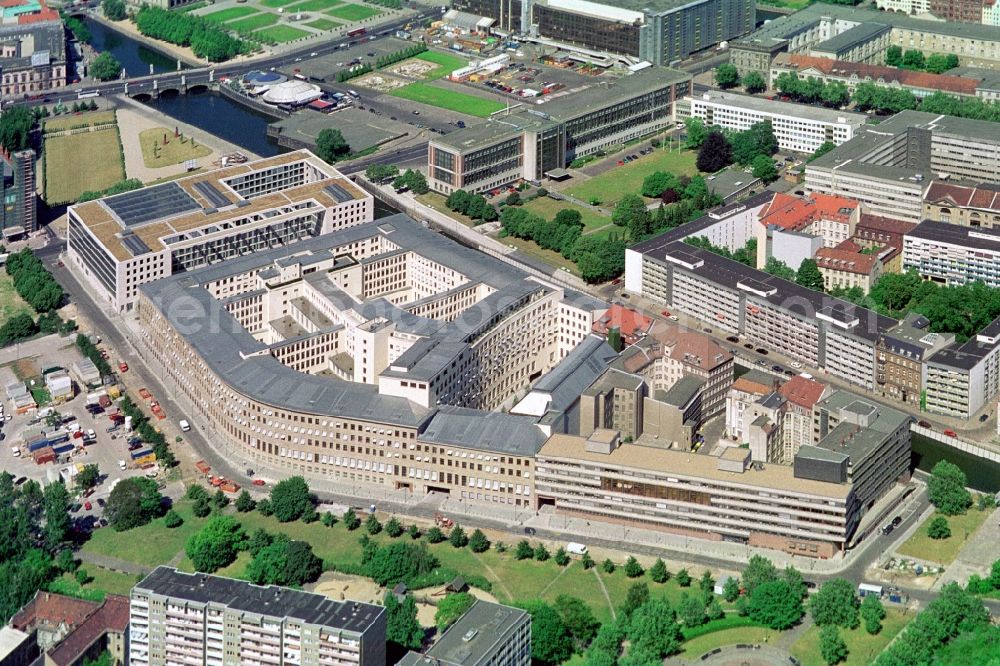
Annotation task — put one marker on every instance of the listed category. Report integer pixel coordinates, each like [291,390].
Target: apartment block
[847,266]
[18,215]
[487,634]
[793,229]
[746,390]
[900,357]
[953,255]
[797,127]
[196,618]
[963,378]
[874,231]
[32,52]
[528,144]
[123,241]
[966,204]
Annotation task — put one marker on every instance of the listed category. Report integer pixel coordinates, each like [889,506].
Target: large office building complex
[661,31]
[528,144]
[797,127]
[120,242]
[18,215]
[953,255]
[181,618]
[487,634]
[889,166]
[32,56]
[963,377]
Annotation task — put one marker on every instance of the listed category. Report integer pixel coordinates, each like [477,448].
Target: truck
[140,453]
[185,426]
[574,548]
[202,467]
[147,459]
[216,481]
[230,487]
[357,32]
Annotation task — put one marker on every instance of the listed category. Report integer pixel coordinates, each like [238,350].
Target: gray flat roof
[856,443]
[761,105]
[573,374]
[496,432]
[851,37]
[682,392]
[978,238]
[269,600]
[476,633]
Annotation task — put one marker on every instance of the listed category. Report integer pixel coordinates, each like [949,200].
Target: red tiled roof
[750,386]
[52,609]
[885,224]
[985,196]
[39,17]
[845,260]
[802,391]
[904,77]
[700,350]
[113,616]
[627,320]
[794,213]
[849,246]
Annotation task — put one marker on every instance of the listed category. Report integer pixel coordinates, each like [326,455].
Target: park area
[160,148]
[943,551]
[446,64]
[350,12]
[81,162]
[862,647]
[11,304]
[448,99]
[608,186]
[548,208]
[280,34]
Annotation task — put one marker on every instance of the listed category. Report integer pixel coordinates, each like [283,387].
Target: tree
[478,543]
[714,610]
[15,134]
[290,499]
[351,520]
[587,561]
[655,183]
[88,477]
[715,153]
[216,544]
[56,508]
[372,524]
[245,503]
[195,493]
[114,10]
[172,519]
[523,550]
[513,199]
[658,572]
[578,618]
[105,67]
[331,146]
[457,538]
[631,213]
[706,584]
[435,535]
[220,500]
[683,578]
[753,82]
[946,489]
[452,607]
[937,63]
[568,217]
[808,275]
[835,95]
[551,640]
[778,268]
[541,553]
[632,567]
[894,56]
[872,612]
[913,59]
[939,528]
[763,168]
[402,626]
[280,561]
[635,597]
[259,540]
[775,605]
[393,527]
[696,132]
[691,610]
[607,566]
[653,630]
[413,531]
[133,502]
[831,646]
[823,149]
[398,561]
[835,603]
[202,508]
[726,76]
[758,140]
[731,589]
[381,173]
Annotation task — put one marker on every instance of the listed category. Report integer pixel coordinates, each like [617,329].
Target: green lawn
[943,551]
[549,257]
[281,33]
[274,4]
[791,4]
[103,582]
[447,63]
[448,99]
[314,6]
[229,14]
[694,648]
[11,303]
[253,22]
[354,12]
[150,544]
[548,208]
[89,118]
[862,647]
[323,24]
[609,186]
[65,179]
[437,202]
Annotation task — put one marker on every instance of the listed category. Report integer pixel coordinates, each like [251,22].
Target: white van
[16,451]
[185,426]
[574,548]
[122,465]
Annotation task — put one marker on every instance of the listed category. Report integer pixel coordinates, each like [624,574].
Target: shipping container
[202,467]
[64,448]
[39,443]
[230,487]
[145,460]
[45,455]
[140,453]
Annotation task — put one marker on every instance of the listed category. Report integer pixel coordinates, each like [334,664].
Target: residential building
[852,74]
[764,421]
[865,42]
[17,648]
[991,13]
[887,167]
[964,377]
[674,416]
[875,231]
[660,32]
[900,357]
[487,634]
[801,393]
[808,510]
[797,127]
[69,632]
[795,228]
[32,54]
[528,144]
[631,324]
[963,11]
[18,215]
[911,7]
[613,402]
[967,204]
[371,355]
[746,390]
[123,241]
[953,255]
[178,617]
[849,265]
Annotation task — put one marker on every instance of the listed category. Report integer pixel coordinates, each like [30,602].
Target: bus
[357,32]
[84,94]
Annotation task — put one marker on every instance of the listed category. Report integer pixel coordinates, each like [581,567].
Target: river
[983,475]
[133,56]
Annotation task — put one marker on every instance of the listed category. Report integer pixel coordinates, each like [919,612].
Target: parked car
[924,424]
[258,482]
[761,350]
[123,366]
[896,521]
[777,368]
[982,418]
[87,505]
[733,338]
[950,433]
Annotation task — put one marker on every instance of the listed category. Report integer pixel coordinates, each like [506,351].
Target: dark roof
[269,600]
[476,633]
[979,238]
[112,616]
[48,608]
[498,432]
[152,203]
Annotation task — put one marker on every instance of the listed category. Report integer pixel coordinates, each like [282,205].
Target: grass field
[862,647]
[791,4]
[174,152]
[354,12]
[11,303]
[549,257]
[448,99]
[103,581]
[446,62]
[274,4]
[251,23]
[280,33]
[150,544]
[314,6]
[694,648]
[437,202]
[229,14]
[323,24]
[548,208]
[65,159]
[90,119]
[943,551]
[609,186]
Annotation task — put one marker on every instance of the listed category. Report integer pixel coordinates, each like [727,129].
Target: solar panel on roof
[338,193]
[214,196]
[151,203]
[135,244]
